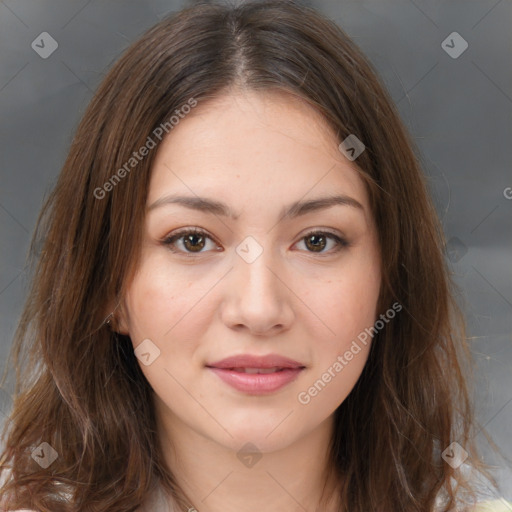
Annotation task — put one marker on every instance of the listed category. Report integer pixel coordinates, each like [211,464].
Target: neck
[217,478]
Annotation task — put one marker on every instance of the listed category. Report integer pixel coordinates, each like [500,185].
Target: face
[296,283]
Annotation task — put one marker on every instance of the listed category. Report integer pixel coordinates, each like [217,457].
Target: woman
[241,300]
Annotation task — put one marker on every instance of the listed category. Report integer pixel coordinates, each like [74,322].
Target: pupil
[316,247]
[189,238]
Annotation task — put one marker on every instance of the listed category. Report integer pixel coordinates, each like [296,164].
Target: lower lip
[257,383]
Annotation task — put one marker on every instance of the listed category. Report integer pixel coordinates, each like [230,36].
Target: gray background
[457,109]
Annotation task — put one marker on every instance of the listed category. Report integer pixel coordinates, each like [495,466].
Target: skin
[257,152]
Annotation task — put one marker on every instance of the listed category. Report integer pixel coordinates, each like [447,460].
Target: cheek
[348,306]
[349,303]
[340,358]
[334,375]
[160,304]
[159,298]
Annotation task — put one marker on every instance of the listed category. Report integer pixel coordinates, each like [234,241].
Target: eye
[317,241]
[193,240]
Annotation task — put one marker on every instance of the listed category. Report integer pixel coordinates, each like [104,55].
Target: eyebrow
[291,211]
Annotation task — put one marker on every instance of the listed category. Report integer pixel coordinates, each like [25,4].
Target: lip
[253,361]
[257,383]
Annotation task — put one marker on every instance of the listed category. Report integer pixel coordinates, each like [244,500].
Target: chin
[265,439]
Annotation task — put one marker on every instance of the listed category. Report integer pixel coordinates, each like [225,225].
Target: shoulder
[493,506]
[488,497]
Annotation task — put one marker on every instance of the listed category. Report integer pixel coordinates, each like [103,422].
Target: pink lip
[257,383]
[250,361]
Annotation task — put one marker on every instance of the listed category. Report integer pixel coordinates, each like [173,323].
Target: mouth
[255,370]
[242,362]
[257,381]
[255,374]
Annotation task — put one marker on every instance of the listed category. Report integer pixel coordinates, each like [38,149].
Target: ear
[118,318]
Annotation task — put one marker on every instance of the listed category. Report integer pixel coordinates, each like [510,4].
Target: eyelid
[339,238]
[176,235]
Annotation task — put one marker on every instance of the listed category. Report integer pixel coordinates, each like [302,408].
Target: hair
[79,386]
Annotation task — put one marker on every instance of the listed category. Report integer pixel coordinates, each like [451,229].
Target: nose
[257,297]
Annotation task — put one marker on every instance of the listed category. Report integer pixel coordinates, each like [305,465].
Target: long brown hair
[79,386]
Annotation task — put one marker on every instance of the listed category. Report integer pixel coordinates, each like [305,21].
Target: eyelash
[169,241]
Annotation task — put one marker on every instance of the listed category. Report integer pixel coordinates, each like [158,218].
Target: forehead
[253,147]
[265,116]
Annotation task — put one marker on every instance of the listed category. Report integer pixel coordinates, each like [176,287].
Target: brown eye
[317,241]
[192,240]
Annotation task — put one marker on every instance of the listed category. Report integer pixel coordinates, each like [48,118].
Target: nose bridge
[254,262]
[257,299]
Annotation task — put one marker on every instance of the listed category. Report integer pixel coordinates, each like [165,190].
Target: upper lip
[254,361]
